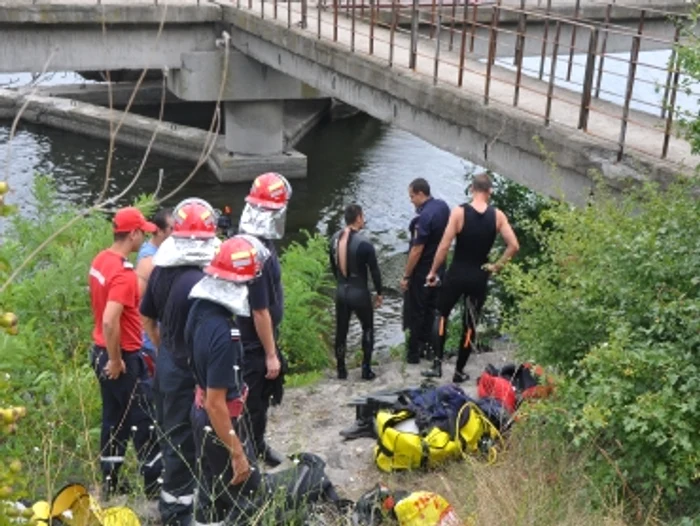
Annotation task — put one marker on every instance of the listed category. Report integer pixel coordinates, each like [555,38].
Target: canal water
[357,159]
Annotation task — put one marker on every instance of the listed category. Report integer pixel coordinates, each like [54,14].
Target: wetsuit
[216,358]
[166,300]
[465,278]
[352,295]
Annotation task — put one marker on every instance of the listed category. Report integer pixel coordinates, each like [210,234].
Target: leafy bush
[307,324]
[614,306]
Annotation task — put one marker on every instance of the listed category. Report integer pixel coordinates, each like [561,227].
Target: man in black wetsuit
[474,225]
[351,255]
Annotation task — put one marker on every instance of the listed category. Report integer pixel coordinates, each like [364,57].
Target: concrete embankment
[172,140]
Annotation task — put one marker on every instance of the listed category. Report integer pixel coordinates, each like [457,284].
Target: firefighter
[164,310]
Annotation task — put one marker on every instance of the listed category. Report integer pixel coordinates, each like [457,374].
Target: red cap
[129,219]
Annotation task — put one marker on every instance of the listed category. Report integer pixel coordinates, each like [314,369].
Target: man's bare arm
[511,240]
[263,327]
[217,410]
[143,271]
[446,242]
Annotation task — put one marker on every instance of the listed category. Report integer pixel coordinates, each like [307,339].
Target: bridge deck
[644,131]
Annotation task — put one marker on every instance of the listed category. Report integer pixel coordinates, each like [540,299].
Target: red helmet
[270,190]
[239,259]
[194,218]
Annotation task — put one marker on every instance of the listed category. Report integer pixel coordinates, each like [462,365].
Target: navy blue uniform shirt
[166,300]
[264,292]
[216,358]
[427,230]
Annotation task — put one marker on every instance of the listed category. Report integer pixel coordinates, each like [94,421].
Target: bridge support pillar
[254,127]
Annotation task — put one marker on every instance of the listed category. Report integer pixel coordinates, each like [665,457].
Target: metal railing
[438,39]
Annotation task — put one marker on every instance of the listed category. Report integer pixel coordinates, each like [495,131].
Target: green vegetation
[614,307]
[689,64]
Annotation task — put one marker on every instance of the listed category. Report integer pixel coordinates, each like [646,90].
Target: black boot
[435,371]
[459,377]
[367,372]
[340,360]
[363,425]
[271,457]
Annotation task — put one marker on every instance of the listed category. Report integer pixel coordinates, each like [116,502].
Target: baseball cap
[129,219]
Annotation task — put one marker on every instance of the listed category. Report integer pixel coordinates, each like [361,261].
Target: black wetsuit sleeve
[371,260]
[331,257]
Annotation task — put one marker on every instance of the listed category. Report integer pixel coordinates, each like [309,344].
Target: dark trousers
[127,414]
[217,500]
[420,313]
[351,299]
[455,287]
[258,401]
[175,390]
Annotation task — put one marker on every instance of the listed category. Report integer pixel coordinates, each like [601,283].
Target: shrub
[614,306]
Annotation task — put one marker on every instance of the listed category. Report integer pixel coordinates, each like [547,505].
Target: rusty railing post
[603,49]
[432,19]
[392,33]
[475,10]
[463,45]
[362,10]
[586,92]
[671,62]
[634,55]
[274,9]
[352,27]
[372,16]
[305,13]
[545,37]
[452,23]
[519,30]
[437,44]
[335,20]
[413,55]
[552,73]
[492,52]
[250,4]
[262,9]
[289,14]
[519,57]
[577,10]
[671,109]
[319,11]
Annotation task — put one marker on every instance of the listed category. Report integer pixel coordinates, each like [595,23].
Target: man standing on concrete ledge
[164,311]
[264,217]
[117,360]
[426,231]
[474,225]
[351,256]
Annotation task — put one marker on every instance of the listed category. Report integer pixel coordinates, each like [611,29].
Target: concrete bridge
[476,80]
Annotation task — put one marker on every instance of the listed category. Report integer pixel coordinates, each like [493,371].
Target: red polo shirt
[112,278]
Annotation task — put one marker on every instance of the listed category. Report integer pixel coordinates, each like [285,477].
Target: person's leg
[448,295]
[139,419]
[342,325]
[417,312]
[473,304]
[365,314]
[177,492]
[114,431]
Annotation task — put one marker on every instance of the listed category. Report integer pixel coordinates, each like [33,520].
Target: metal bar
[604,47]
[672,61]
[634,55]
[352,31]
[362,10]
[519,60]
[452,24]
[347,6]
[274,8]
[545,38]
[437,45]
[335,20]
[372,17]
[573,40]
[304,14]
[672,103]
[474,14]
[586,91]
[552,73]
[495,34]
[463,46]
[289,14]
[492,52]
[262,9]
[413,56]
[319,12]
[518,31]
[392,33]
[250,4]
[432,19]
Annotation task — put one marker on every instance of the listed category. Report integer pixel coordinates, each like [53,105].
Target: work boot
[360,428]
[460,377]
[435,371]
[271,457]
[368,373]
[340,361]
[342,372]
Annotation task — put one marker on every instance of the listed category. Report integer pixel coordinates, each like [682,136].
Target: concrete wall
[454,120]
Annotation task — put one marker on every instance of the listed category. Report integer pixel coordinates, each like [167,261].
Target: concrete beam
[454,120]
[200,73]
[88,48]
